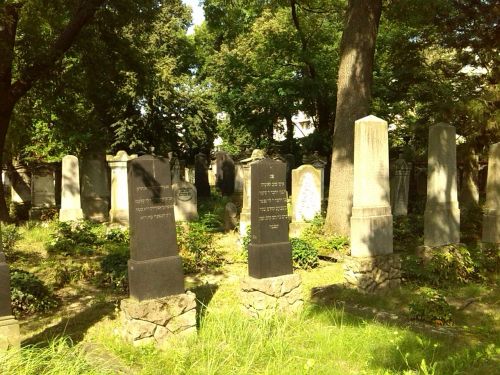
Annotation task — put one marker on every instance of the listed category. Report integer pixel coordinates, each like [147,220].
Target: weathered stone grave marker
[185,201]
[306,197]
[271,285]
[95,187]
[119,192]
[71,207]
[400,186]
[43,193]
[442,214]
[201,175]
[491,218]
[157,307]
[372,264]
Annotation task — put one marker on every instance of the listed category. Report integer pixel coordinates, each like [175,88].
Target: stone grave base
[70,214]
[9,333]
[157,320]
[370,274]
[262,297]
[36,213]
[296,228]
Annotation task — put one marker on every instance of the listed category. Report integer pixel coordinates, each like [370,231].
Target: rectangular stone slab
[5,308]
[155,278]
[269,260]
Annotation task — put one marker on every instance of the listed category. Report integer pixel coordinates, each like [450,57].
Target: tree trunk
[5,114]
[357,50]
[289,134]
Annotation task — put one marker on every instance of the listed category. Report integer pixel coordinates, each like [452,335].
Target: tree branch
[44,64]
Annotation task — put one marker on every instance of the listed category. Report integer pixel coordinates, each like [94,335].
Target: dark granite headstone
[225,173]
[155,268]
[269,252]
[201,175]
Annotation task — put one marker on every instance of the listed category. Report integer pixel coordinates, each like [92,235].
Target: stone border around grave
[370,274]
[261,297]
[157,320]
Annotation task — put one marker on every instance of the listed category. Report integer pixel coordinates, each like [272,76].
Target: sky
[198,15]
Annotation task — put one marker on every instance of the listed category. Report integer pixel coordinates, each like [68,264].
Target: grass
[324,339]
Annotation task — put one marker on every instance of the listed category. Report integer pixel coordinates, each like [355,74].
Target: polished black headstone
[201,175]
[155,268]
[269,252]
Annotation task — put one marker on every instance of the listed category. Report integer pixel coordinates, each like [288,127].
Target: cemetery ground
[68,280]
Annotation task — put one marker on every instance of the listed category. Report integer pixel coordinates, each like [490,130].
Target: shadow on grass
[204,294]
[74,327]
[414,346]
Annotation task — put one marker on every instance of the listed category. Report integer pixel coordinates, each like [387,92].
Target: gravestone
[95,187]
[212,170]
[372,264]
[225,173]
[400,186]
[175,166]
[230,217]
[201,175]
[71,208]
[491,218]
[269,252]
[185,201]
[306,197]
[442,214]
[271,285]
[119,212]
[9,327]
[43,194]
[239,179]
[247,190]
[158,307]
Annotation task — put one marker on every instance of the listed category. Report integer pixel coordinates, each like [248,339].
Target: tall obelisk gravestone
[271,284]
[9,327]
[158,306]
[372,264]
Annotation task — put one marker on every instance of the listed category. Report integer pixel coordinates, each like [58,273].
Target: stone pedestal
[370,274]
[156,321]
[261,297]
[119,190]
[71,207]
[491,218]
[442,215]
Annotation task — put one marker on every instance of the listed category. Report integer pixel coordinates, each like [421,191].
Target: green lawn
[338,332]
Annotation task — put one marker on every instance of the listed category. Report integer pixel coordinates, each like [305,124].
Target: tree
[353,102]
[14,84]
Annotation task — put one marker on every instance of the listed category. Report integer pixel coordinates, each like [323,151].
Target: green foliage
[114,267]
[247,238]
[10,236]
[304,255]
[408,232]
[69,271]
[324,243]
[431,307]
[196,248]
[117,235]
[70,238]
[444,265]
[29,294]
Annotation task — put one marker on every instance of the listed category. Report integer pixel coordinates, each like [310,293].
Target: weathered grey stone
[185,201]
[373,273]
[230,216]
[95,187]
[119,187]
[71,207]
[400,186]
[43,191]
[491,218]
[10,336]
[371,220]
[442,215]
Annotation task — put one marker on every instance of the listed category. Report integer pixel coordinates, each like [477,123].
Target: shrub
[449,264]
[29,294]
[431,307]
[10,235]
[408,232]
[196,248]
[304,255]
[324,243]
[114,268]
[117,235]
[69,271]
[77,237]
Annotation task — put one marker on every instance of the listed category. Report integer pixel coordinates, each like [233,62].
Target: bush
[324,243]
[114,268]
[408,232]
[10,235]
[29,294]
[117,235]
[77,237]
[196,248]
[69,271]
[451,264]
[431,307]
[304,255]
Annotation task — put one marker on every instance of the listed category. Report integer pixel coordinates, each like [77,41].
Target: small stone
[181,322]
[139,329]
